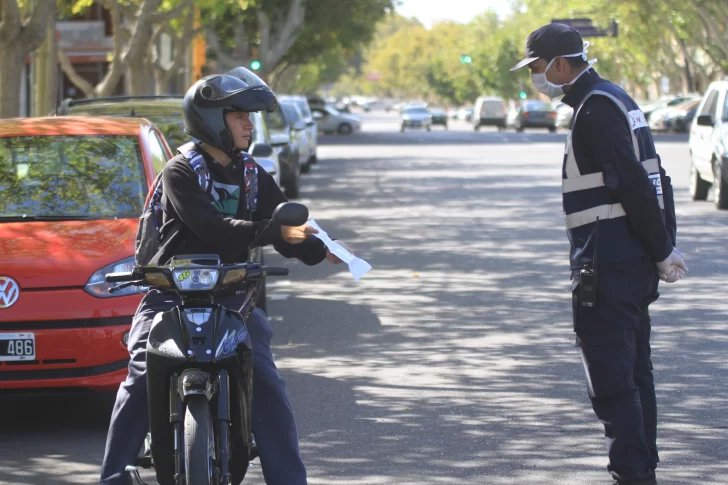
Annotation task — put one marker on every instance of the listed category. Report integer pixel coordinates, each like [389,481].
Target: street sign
[586,28]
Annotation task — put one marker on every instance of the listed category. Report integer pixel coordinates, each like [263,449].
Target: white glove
[673,268]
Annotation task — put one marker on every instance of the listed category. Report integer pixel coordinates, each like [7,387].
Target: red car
[71,192]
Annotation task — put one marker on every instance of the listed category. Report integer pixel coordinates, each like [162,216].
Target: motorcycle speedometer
[195,279]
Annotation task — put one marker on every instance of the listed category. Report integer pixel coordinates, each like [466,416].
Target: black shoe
[648,481]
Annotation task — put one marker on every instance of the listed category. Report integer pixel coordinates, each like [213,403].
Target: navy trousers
[274,426]
[614,337]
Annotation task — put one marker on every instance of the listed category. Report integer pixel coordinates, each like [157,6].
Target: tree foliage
[685,41]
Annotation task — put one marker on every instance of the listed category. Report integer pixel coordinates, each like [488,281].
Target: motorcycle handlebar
[273,271]
[120,277]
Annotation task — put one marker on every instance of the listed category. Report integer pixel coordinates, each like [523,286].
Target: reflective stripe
[609,211]
[635,142]
[652,165]
[594,180]
[585,182]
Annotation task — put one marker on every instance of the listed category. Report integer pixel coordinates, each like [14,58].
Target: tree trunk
[139,74]
[46,69]
[12,60]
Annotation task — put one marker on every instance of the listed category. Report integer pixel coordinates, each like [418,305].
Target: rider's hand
[333,259]
[297,234]
[673,268]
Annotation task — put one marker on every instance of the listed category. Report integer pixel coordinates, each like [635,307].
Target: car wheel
[698,187]
[345,129]
[721,187]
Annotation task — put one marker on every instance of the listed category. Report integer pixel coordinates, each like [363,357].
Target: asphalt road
[452,361]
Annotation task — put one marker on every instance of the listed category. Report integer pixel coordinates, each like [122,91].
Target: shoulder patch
[637,119]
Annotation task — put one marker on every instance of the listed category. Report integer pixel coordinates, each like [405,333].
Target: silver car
[416,117]
[330,120]
[311,127]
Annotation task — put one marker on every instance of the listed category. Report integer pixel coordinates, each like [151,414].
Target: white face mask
[555,90]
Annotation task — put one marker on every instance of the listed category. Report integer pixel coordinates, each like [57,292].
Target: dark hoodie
[193,221]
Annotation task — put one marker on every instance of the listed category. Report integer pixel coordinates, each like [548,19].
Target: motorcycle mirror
[290,214]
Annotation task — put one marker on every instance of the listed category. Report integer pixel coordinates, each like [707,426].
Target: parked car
[311,126]
[535,114]
[416,117]
[708,141]
[71,192]
[300,134]
[466,114]
[658,117]
[439,117]
[164,111]
[648,109]
[282,140]
[330,120]
[489,111]
[564,113]
[167,111]
[680,118]
[261,147]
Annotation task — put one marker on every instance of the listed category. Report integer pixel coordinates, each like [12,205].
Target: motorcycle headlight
[195,279]
[97,286]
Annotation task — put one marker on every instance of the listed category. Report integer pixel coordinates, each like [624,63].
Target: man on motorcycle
[218,210]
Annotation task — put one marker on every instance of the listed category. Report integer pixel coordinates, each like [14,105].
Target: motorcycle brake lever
[114,289]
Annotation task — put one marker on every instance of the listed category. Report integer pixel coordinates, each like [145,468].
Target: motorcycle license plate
[17,346]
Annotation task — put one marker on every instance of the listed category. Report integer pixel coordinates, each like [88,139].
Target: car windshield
[537,106]
[96,177]
[292,113]
[303,106]
[173,129]
[412,111]
[275,120]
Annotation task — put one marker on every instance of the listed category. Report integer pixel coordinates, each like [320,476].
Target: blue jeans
[274,426]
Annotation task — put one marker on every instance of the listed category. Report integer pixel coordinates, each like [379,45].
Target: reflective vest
[587,197]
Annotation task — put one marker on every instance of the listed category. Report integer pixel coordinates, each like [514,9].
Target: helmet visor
[247,76]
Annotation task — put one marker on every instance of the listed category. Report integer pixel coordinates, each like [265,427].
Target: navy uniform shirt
[602,127]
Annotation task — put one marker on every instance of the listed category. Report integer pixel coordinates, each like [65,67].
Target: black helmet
[210,98]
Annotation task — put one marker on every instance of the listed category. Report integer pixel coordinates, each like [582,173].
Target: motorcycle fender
[194,382]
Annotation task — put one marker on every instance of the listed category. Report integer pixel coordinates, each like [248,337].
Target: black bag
[149,238]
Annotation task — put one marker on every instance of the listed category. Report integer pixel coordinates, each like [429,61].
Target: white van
[489,111]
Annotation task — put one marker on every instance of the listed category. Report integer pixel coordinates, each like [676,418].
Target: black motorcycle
[200,365]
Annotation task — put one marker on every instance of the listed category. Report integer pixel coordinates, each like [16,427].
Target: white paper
[357,266]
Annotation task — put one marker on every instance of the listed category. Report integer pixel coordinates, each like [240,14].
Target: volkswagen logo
[9,291]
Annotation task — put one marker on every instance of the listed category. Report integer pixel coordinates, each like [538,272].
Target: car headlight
[195,279]
[97,286]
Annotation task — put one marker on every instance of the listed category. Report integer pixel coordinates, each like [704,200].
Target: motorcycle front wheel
[199,442]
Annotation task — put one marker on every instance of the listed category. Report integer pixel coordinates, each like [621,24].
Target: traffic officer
[620,219]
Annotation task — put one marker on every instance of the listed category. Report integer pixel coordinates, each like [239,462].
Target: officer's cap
[551,41]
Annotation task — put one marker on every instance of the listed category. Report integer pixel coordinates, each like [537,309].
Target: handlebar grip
[120,277]
[272,271]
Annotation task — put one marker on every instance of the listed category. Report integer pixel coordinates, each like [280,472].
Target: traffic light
[255,65]
[466,59]
[522,95]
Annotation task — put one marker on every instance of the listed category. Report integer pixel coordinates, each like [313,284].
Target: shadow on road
[455,355]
